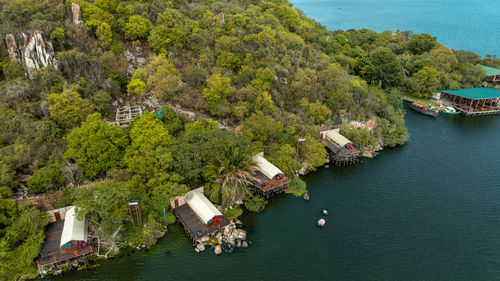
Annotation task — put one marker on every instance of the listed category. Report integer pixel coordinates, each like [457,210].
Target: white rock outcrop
[77,15]
[32,50]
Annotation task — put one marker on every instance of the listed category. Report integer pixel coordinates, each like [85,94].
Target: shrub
[46,178]
[234,213]
[255,204]
[297,186]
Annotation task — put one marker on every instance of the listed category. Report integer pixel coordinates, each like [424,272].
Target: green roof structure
[475,93]
[490,71]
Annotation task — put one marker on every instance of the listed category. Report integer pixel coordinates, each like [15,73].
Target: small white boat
[450,110]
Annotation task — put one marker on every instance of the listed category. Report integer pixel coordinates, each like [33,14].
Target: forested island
[232,78]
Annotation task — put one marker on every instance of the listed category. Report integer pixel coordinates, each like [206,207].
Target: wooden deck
[265,187]
[469,111]
[52,253]
[193,225]
[341,156]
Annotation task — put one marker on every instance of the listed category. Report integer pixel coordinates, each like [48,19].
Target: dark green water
[429,210]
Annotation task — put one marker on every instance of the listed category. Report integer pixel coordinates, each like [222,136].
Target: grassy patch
[422,100]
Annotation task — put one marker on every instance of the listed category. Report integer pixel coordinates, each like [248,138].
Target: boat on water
[450,110]
[425,109]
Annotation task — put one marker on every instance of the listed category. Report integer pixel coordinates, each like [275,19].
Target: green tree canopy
[425,82]
[104,34]
[173,121]
[421,43]
[147,157]
[21,239]
[106,205]
[165,80]
[217,91]
[46,178]
[137,27]
[96,146]
[382,67]
[68,109]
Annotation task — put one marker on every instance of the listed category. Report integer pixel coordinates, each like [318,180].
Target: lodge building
[198,215]
[267,179]
[342,151]
[474,101]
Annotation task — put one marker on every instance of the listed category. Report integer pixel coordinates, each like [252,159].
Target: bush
[170,218]
[46,178]
[102,101]
[297,186]
[255,204]
[234,213]
[171,119]
[213,192]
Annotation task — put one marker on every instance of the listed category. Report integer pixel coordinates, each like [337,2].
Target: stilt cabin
[475,101]
[342,151]
[492,76]
[67,238]
[266,178]
[198,215]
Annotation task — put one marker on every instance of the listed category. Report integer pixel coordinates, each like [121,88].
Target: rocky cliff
[77,16]
[32,50]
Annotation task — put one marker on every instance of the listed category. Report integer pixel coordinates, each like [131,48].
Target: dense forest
[259,74]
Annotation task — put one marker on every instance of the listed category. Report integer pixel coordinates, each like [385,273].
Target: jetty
[67,239]
[474,101]
[267,180]
[342,151]
[198,215]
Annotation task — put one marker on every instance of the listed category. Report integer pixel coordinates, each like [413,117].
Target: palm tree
[232,172]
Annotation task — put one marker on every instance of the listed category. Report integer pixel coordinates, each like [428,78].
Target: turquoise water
[459,24]
[429,210]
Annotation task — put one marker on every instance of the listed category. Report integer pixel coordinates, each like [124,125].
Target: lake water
[459,24]
[428,210]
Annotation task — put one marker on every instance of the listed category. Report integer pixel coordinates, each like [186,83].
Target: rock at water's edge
[218,250]
[200,247]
